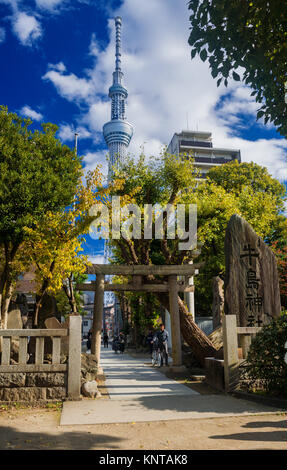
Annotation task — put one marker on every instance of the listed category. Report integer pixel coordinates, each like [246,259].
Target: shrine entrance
[172,286]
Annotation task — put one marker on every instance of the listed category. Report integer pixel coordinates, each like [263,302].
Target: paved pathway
[128,378]
[141,393]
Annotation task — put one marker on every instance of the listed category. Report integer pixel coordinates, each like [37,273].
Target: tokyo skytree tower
[117,132]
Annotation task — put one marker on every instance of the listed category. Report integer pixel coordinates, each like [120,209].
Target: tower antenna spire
[118,23]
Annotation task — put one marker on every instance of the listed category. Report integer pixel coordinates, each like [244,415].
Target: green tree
[55,243]
[253,194]
[247,35]
[164,180]
[246,189]
[265,368]
[37,174]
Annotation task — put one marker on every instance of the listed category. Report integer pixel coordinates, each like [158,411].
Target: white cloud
[30,113]
[25,22]
[97,259]
[50,5]
[60,67]
[67,133]
[93,159]
[26,28]
[166,88]
[69,86]
[2,34]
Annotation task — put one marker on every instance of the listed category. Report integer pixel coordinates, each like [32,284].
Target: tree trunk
[198,341]
[6,283]
[72,299]
[37,308]
[43,291]
[6,303]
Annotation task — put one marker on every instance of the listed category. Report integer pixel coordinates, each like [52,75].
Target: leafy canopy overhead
[248,35]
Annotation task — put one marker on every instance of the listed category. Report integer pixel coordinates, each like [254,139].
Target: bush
[265,365]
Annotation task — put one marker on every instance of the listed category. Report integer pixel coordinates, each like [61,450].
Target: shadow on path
[275,436]
[11,438]
[215,404]
[264,436]
[267,424]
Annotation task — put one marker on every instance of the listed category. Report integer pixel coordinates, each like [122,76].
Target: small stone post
[230,350]
[98,317]
[74,362]
[175,321]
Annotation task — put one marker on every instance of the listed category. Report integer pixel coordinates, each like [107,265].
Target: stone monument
[251,277]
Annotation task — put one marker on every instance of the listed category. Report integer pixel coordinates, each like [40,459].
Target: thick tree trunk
[6,288]
[6,303]
[43,291]
[198,341]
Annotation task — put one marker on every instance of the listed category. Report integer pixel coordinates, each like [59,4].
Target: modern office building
[200,146]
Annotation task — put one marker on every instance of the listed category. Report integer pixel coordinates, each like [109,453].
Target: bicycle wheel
[158,358]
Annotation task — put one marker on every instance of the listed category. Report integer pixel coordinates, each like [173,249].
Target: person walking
[115,344]
[163,344]
[89,342]
[106,341]
[122,342]
[149,340]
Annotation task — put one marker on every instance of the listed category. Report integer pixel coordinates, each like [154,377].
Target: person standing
[163,344]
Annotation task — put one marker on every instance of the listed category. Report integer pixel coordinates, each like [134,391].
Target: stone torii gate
[172,286]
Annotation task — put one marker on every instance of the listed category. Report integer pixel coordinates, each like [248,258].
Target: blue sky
[57,61]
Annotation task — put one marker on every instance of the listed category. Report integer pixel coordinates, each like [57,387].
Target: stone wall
[33,386]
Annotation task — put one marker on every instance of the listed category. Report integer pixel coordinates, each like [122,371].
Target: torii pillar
[175,321]
[98,317]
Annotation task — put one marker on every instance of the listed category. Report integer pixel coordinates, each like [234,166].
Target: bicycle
[156,357]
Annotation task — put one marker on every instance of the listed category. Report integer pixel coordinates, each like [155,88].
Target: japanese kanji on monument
[251,282]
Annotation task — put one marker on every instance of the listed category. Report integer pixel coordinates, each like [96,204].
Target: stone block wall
[33,386]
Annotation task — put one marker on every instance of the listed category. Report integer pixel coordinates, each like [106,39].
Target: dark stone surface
[56,393]
[27,394]
[249,280]
[45,379]
[88,367]
[48,309]
[32,386]
[12,380]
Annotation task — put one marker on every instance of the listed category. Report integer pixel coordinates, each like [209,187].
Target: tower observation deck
[118,131]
